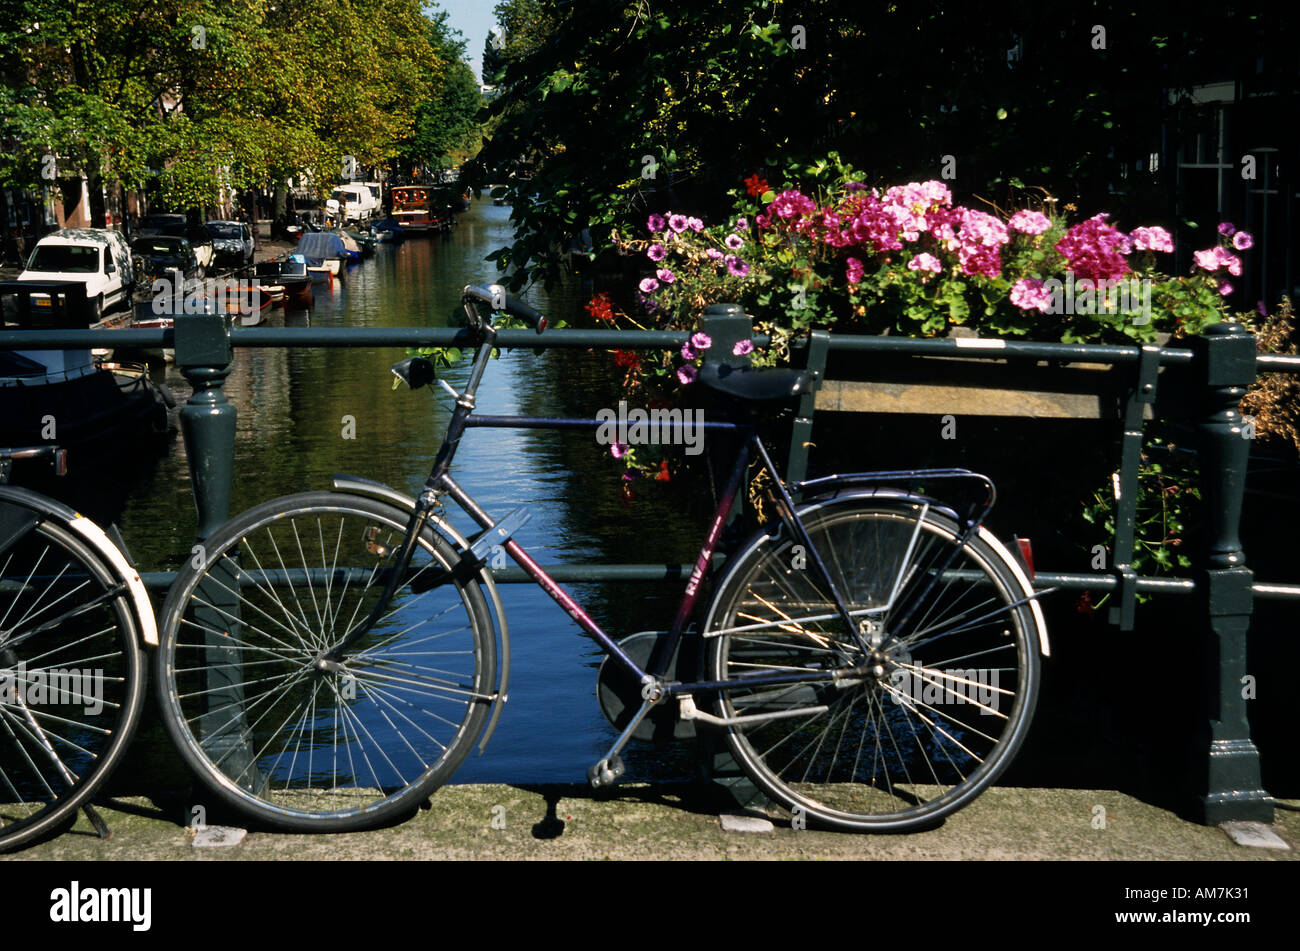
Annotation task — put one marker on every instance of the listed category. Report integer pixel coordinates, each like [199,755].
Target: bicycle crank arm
[687,710]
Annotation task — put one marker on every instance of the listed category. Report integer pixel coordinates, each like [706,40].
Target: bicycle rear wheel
[920,722]
[311,747]
[71,672]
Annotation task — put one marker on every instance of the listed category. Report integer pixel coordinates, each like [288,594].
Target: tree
[446,121]
[625,106]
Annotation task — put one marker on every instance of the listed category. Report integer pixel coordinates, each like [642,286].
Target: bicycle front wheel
[71,672]
[929,704]
[302,744]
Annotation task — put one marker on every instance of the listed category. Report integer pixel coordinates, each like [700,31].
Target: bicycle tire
[305,749]
[925,731]
[72,676]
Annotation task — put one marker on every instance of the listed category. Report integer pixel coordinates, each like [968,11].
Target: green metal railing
[1215,372]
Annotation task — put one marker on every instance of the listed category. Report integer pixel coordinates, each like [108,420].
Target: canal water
[294,433]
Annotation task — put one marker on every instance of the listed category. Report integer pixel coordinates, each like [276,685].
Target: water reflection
[305,414]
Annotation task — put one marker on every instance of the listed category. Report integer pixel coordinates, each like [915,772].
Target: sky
[474,19]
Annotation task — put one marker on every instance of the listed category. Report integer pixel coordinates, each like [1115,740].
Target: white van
[359,202]
[99,258]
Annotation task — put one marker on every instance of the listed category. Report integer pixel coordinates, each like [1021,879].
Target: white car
[99,258]
[359,202]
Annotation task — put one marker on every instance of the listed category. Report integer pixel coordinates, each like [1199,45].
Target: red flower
[601,308]
[662,474]
[756,186]
[626,358]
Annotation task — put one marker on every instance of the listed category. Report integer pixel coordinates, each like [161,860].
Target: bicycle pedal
[606,772]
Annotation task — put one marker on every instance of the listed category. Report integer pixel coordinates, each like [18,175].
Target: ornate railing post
[1232,788]
[203,354]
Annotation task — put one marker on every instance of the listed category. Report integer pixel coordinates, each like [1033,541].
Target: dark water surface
[290,438]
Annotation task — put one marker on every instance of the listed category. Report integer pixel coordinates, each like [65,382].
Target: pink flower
[742,347]
[695,224]
[742,224]
[687,352]
[925,262]
[853,271]
[736,267]
[1029,294]
[687,374]
[1226,229]
[1242,241]
[618,450]
[1208,259]
[714,254]
[790,203]
[656,252]
[655,223]
[1029,222]
[1153,239]
[678,223]
[701,341]
[1225,288]
[665,275]
[735,242]
[648,285]
[762,220]
[1095,251]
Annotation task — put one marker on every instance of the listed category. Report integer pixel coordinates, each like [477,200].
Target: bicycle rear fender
[97,539]
[369,488]
[866,485]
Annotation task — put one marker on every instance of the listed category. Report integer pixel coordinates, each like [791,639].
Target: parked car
[162,253]
[232,242]
[151,225]
[99,258]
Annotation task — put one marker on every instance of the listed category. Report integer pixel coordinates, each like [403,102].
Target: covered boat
[324,252]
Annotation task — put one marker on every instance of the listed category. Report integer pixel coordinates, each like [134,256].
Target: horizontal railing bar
[248,337]
[582,573]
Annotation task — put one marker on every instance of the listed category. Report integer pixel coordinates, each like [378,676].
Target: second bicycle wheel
[313,746]
[917,723]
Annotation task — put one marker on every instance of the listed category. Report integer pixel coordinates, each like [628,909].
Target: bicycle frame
[440,483]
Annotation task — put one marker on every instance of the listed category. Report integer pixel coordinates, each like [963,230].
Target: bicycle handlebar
[495,297]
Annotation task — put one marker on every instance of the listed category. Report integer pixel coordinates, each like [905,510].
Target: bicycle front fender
[369,488]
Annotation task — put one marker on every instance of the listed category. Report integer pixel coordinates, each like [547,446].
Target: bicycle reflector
[414,372]
[1026,555]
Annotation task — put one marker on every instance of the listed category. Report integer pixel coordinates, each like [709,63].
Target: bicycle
[73,613]
[872,653]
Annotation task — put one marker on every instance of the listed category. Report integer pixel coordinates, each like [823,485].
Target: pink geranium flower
[1029,222]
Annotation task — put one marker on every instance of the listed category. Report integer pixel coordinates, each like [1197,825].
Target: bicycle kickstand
[608,770]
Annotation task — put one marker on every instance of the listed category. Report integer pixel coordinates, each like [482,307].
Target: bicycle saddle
[756,383]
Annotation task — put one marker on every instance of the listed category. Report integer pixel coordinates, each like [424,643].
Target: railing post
[1232,788]
[203,354]
[208,417]
[819,344]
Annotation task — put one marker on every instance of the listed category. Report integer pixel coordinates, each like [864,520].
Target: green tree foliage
[633,105]
[446,125]
[207,94]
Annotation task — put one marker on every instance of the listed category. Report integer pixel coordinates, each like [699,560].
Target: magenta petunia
[648,285]
[742,347]
[695,224]
[734,241]
[656,223]
[687,374]
[714,254]
[618,450]
[742,224]
[688,353]
[665,275]
[656,252]
[677,223]
[1242,241]
[1226,229]
[701,341]
[736,267]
